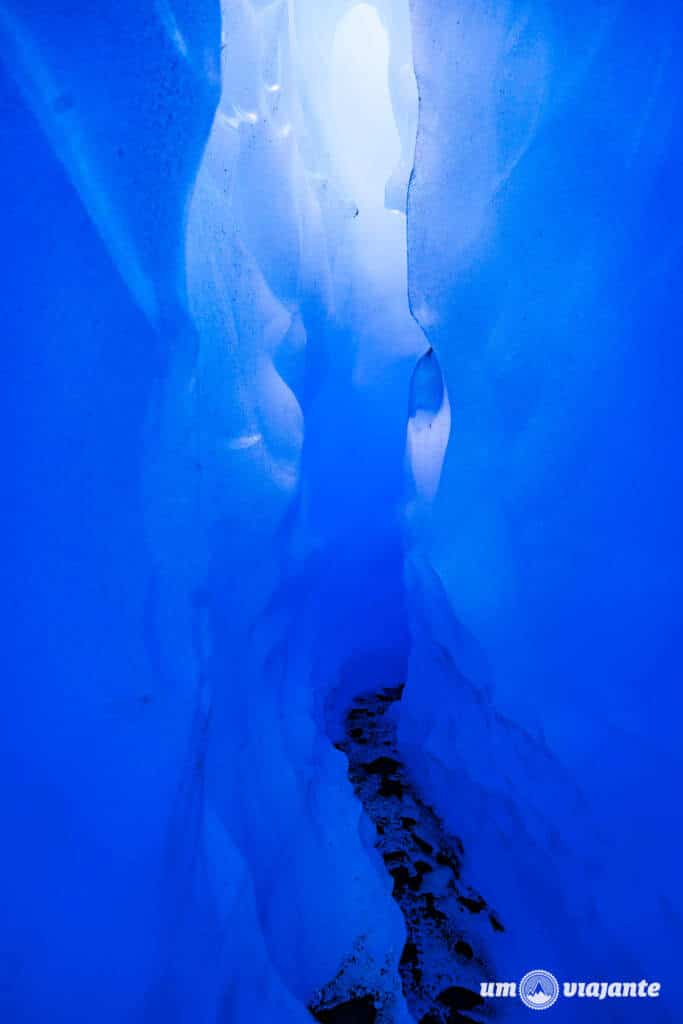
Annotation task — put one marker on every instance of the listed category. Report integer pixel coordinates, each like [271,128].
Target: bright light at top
[365,139]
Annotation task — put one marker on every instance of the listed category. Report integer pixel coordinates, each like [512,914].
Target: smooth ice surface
[194,279]
[544,238]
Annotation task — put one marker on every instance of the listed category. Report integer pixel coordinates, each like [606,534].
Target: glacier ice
[550,570]
[342,350]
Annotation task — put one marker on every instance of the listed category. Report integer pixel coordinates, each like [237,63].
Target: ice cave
[343,536]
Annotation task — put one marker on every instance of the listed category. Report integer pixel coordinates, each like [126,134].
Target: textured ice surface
[544,227]
[192,273]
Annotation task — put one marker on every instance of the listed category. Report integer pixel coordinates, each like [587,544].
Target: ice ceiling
[313,389]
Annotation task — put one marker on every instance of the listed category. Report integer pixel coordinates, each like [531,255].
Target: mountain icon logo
[539,990]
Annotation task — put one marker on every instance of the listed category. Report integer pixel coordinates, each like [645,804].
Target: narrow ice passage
[374,551]
[321,151]
[297,236]
[284,433]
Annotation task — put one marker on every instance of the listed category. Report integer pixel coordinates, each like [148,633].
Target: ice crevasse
[342,350]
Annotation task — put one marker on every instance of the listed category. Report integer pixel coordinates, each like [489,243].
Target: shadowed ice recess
[344,542]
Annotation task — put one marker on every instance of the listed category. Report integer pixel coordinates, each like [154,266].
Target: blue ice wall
[245,487]
[545,582]
[103,125]
[290,365]
[191,275]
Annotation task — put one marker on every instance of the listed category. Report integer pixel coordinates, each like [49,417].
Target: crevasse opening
[364,136]
[342,644]
[297,284]
[378,553]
